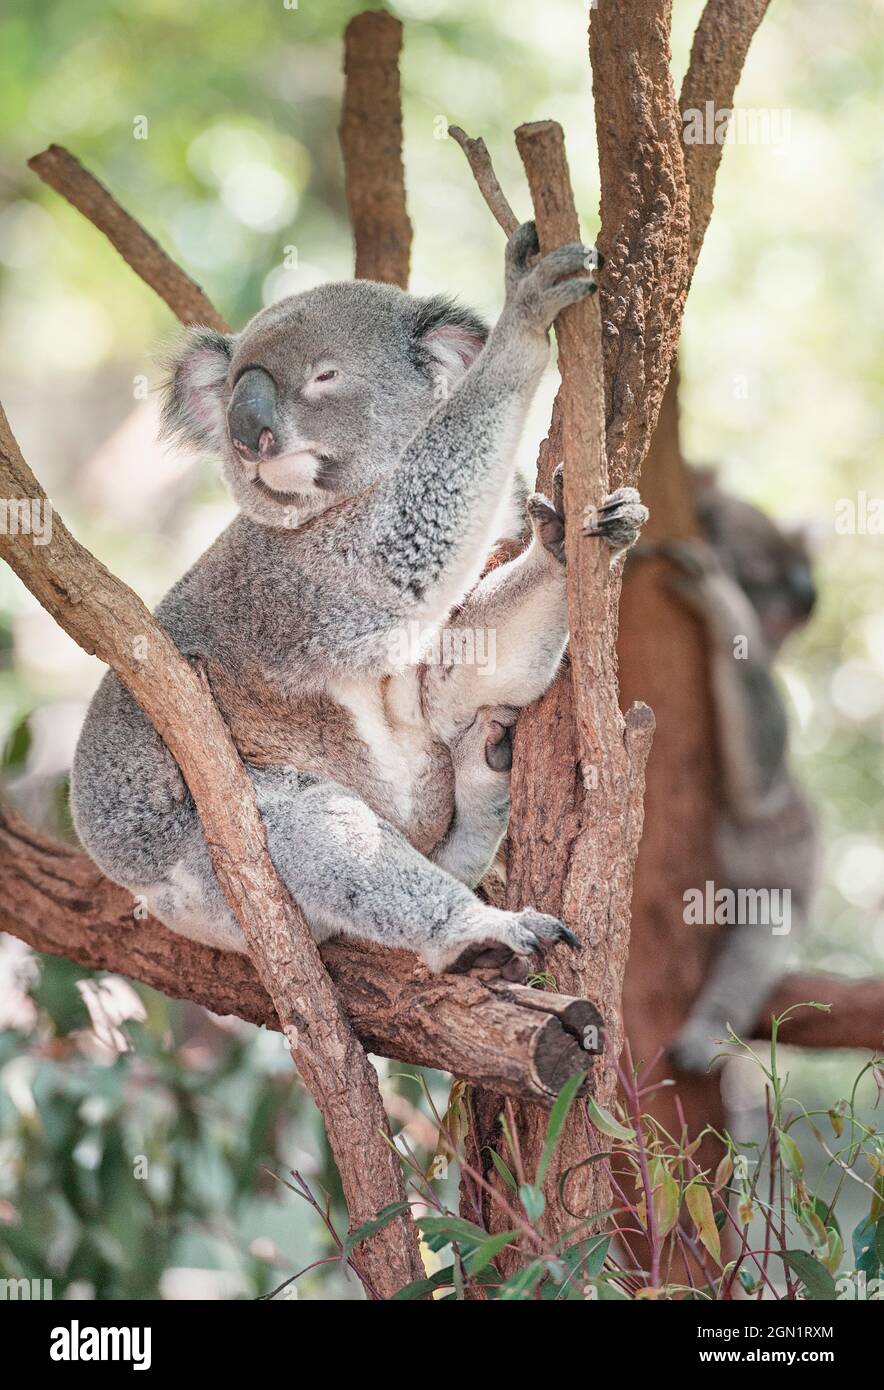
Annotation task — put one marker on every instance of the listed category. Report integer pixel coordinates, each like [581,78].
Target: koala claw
[618,520]
[548,517]
[508,934]
[538,289]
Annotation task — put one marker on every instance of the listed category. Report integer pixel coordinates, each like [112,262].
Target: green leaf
[371,1228]
[868,1246]
[522,1284]
[815,1277]
[604,1121]
[557,1117]
[485,1253]
[699,1204]
[439,1231]
[587,1255]
[533,1201]
[502,1168]
[666,1195]
[440,1280]
[790,1154]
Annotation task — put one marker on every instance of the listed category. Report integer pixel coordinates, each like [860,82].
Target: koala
[747,579]
[368,437]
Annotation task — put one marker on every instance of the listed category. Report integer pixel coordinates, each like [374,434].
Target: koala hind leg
[351,873]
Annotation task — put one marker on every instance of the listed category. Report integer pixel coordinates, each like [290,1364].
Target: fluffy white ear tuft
[193,411]
[453,348]
[449,339]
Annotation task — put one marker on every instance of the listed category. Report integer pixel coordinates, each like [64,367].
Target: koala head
[317,396]
[771,564]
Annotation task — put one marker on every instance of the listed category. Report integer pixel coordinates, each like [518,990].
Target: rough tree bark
[371,140]
[579,766]
[521,1041]
[663,660]
[575,819]
[108,619]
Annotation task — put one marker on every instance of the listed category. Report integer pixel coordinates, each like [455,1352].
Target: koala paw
[548,518]
[492,939]
[538,290]
[618,520]
[499,724]
[486,743]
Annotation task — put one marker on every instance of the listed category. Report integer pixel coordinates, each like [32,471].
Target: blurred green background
[240,178]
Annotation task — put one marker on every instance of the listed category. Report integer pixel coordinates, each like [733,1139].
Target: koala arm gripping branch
[429,527]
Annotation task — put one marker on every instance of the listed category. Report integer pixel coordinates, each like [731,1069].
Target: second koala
[369,438]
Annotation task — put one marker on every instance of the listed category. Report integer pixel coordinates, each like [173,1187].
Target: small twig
[479,160]
[58,167]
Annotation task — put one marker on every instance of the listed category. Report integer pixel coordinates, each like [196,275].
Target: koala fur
[748,579]
[369,439]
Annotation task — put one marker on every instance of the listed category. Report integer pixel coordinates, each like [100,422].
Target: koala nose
[803,590]
[251,414]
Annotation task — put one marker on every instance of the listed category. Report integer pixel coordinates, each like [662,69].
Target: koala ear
[447,338]
[192,410]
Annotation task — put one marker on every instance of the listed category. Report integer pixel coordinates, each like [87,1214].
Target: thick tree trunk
[663,661]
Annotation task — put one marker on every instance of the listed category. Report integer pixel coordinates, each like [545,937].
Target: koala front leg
[505,642]
[428,527]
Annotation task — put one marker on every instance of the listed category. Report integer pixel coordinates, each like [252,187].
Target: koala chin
[368,437]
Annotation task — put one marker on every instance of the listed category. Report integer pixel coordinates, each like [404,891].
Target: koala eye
[329,374]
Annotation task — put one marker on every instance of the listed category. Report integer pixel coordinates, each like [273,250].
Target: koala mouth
[325,471]
[284,498]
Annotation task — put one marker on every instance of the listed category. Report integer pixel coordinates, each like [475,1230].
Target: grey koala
[748,579]
[368,437]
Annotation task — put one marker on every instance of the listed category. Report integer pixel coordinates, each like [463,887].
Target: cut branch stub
[371,143]
[521,1042]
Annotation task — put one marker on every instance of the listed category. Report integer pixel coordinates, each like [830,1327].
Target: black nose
[251,413]
[803,590]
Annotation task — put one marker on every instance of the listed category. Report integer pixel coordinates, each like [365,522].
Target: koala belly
[368,733]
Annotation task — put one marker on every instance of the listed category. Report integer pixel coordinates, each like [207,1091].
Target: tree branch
[645,215]
[106,618]
[479,160]
[521,1041]
[718,54]
[57,167]
[371,143]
